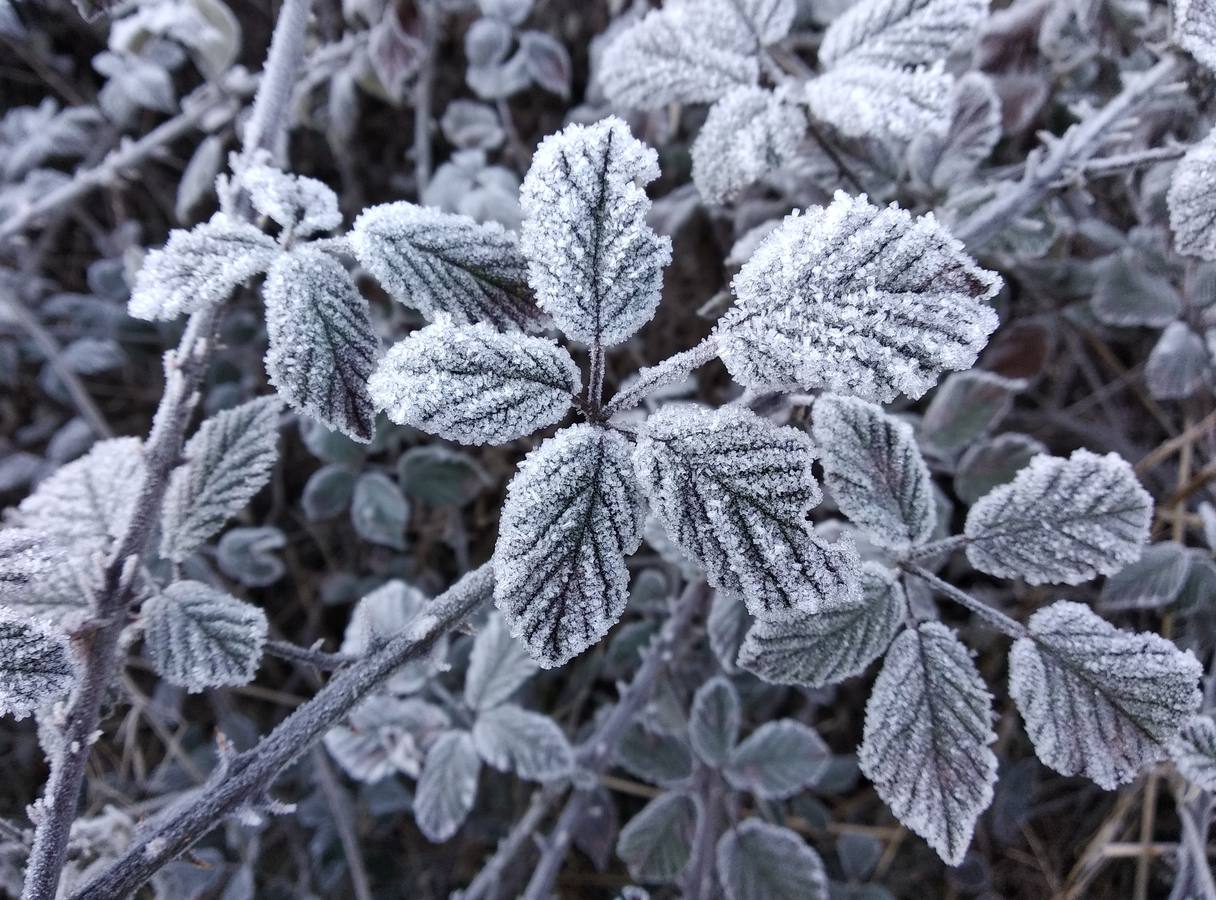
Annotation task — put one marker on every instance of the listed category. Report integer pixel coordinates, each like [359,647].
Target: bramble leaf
[303,205]
[656,844]
[747,134]
[498,666]
[759,861]
[512,739]
[1194,752]
[865,101]
[448,786]
[899,33]
[778,760]
[713,721]
[36,665]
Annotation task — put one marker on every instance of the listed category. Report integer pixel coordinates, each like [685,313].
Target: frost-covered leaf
[1177,364]
[778,760]
[1195,29]
[200,267]
[36,665]
[660,759]
[438,263]
[26,559]
[529,744]
[1061,521]
[498,666]
[1098,701]
[448,786]
[927,735]
[900,32]
[595,263]
[747,134]
[819,649]
[991,463]
[379,511]
[1152,581]
[32,135]
[200,637]
[1192,193]
[247,555]
[441,476]
[732,490]
[726,628]
[327,493]
[299,204]
[657,843]
[713,721]
[865,101]
[1130,292]
[472,384]
[875,471]
[227,461]
[573,513]
[965,408]
[859,300]
[1194,752]
[942,159]
[759,861]
[384,735]
[87,503]
[322,346]
[379,616]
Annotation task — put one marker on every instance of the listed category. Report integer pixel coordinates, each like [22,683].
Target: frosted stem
[993,616]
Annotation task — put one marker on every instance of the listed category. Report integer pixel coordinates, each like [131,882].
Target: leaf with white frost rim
[875,471]
[322,346]
[818,649]
[1195,29]
[732,490]
[473,384]
[899,33]
[572,514]
[1151,582]
[1098,701]
[380,616]
[943,159]
[778,760]
[440,263]
[1194,752]
[759,861]
[227,461]
[36,665]
[199,268]
[858,300]
[529,744]
[875,102]
[200,637]
[1192,196]
[657,843]
[448,786]
[927,735]
[747,134]
[498,665]
[596,265]
[1061,521]
[713,721]
[296,202]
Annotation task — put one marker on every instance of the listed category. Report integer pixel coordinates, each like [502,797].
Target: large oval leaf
[759,861]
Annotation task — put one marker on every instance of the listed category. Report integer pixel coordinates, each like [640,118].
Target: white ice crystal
[596,265]
[1061,521]
[200,637]
[1098,701]
[303,205]
[859,300]
[1195,29]
[747,134]
[227,461]
[1192,197]
[865,101]
[899,33]
[472,384]
[732,490]
[573,512]
[36,665]
[322,346]
[927,735]
[199,268]
[875,471]
[438,263]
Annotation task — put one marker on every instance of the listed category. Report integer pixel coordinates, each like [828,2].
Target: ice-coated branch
[993,616]
[272,105]
[597,754]
[1076,147]
[249,775]
[318,659]
[670,371]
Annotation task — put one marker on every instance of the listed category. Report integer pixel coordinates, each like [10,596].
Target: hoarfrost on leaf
[199,268]
[778,760]
[943,159]
[927,735]
[227,461]
[1098,701]
[472,384]
[747,134]
[656,844]
[300,204]
[322,346]
[759,861]
[382,615]
[498,665]
[1195,29]
[1194,752]
[875,471]
[200,637]
[713,721]
[36,665]
[1178,363]
[859,300]
[573,513]
[732,490]
[864,101]
[441,263]
[819,649]
[900,33]
[1061,521]
[448,786]
[27,558]
[385,735]
[1192,196]
[595,263]
[529,744]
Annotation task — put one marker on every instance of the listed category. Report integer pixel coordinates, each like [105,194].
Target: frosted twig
[429,12]
[488,880]
[318,659]
[698,882]
[670,371]
[343,816]
[994,616]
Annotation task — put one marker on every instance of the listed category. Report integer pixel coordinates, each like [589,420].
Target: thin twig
[488,880]
[994,616]
[344,821]
[429,13]
[318,659]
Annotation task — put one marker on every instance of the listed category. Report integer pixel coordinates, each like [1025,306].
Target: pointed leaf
[302,205]
[713,721]
[36,665]
[1151,582]
[448,786]
[747,134]
[1098,701]
[474,385]
[927,735]
[572,514]
[1061,521]
[1178,363]
[913,301]
[440,263]
[322,346]
[657,843]
[498,666]
[778,760]
[759,861]
[732,490]
[1194,752]
[383,614]
[200,637]
[596,264]
[512,739]
[865,101]
[900,32]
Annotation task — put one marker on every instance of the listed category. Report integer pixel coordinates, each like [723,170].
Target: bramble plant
[694,569]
